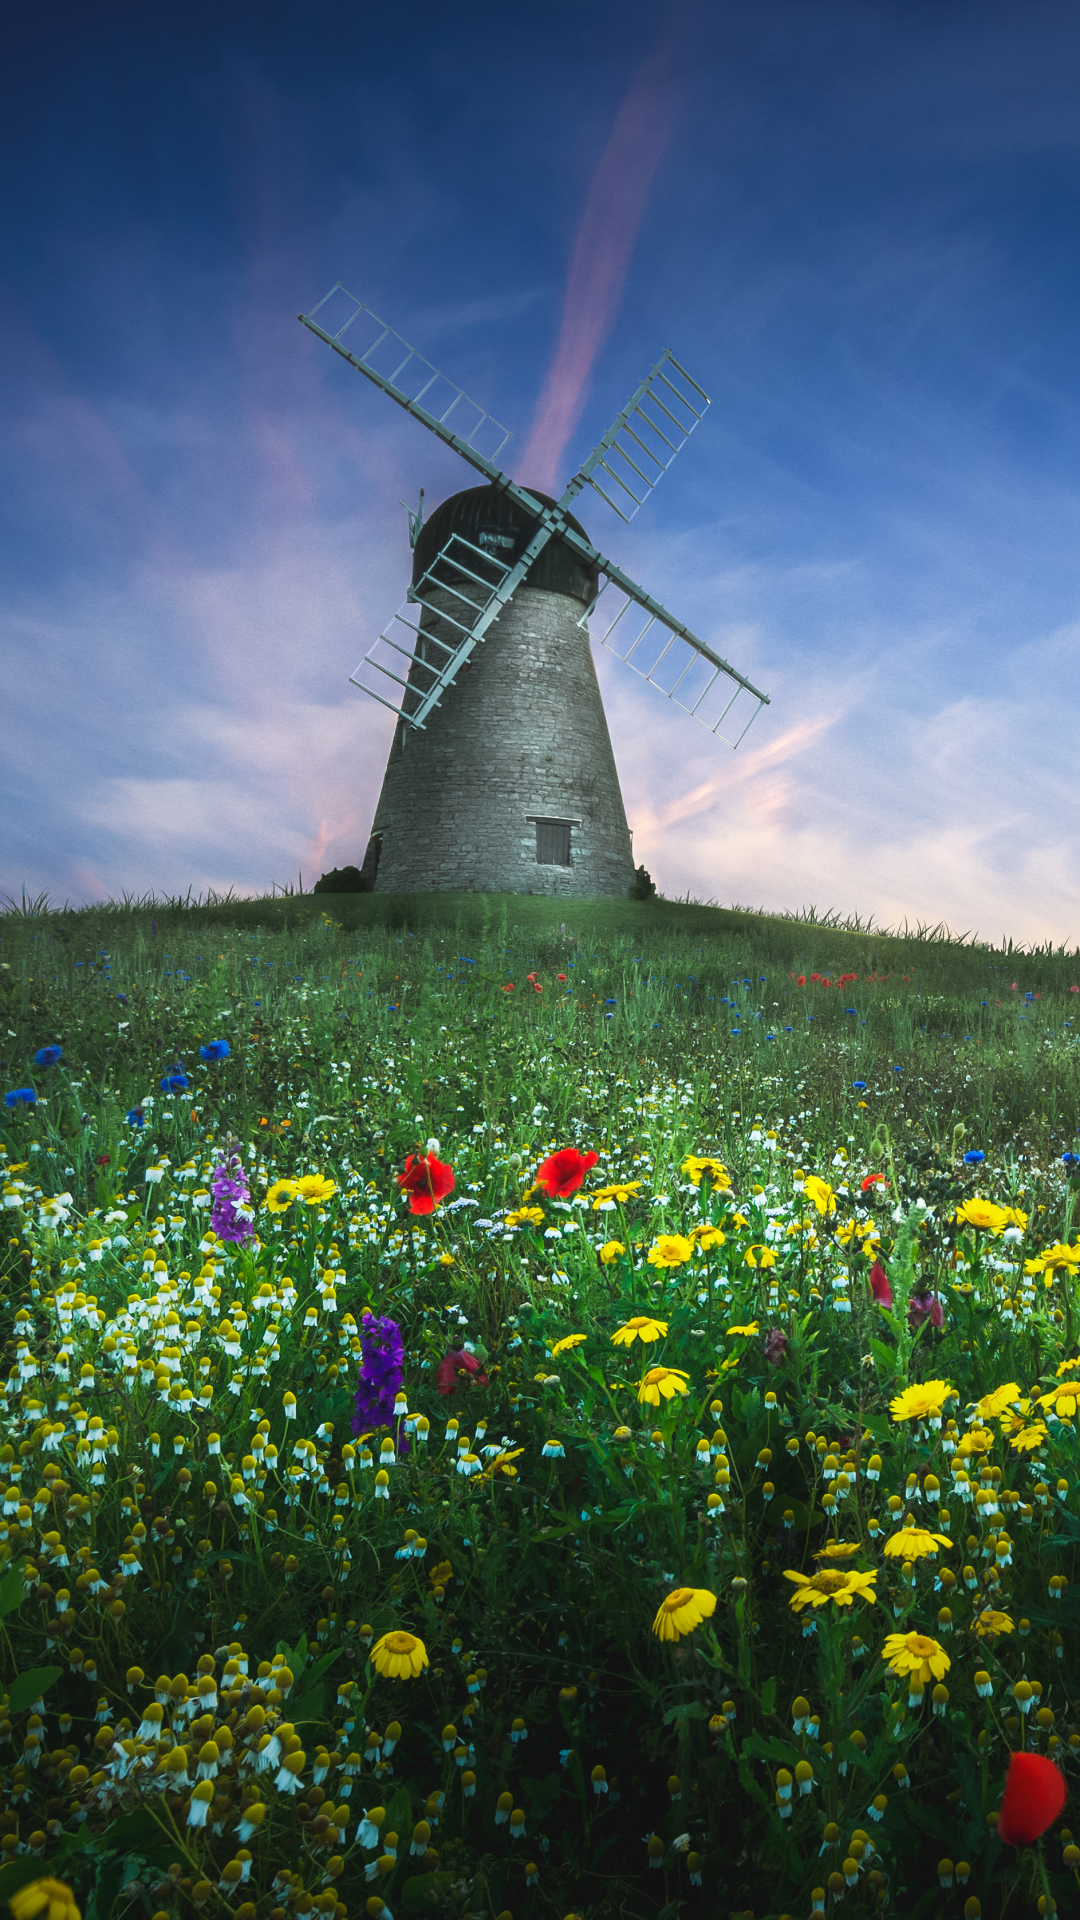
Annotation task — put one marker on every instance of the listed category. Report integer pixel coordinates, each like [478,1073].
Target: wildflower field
[506,1416]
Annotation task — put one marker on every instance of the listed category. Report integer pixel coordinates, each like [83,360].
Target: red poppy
[426,1181]
[562,977]
[1035,1793]
[801,981]
[879,1285]
[509,988]
[103,1160]
[564,1172]
[815,976]
[872,1180]
[459,1369]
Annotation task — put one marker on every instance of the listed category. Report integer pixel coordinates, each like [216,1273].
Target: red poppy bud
[879,1285]
[458,1368]
[1035,1793]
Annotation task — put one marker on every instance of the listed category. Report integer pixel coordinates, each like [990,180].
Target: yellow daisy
[916,1653]
[984,1216]
[921,1402]
[44,1900]
[671,1250]
[526,1216]
[610,1251]
[990,1624]
[819,1193]
[662,1383]
[280,1196]
[314,1188]
[696,1166]
[399,1656]
[683,1610]
[621,1190]
[747,1332]
[567,1345]
[641,1327]
[915,1543]
[841,1585]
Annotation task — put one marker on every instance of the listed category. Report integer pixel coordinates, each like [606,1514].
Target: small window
[553,843]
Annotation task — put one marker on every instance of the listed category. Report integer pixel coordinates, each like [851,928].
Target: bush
[341,880]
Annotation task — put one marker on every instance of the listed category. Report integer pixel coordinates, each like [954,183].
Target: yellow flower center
[829,1581]
[919,1644]
[678,1599]
[400,1642]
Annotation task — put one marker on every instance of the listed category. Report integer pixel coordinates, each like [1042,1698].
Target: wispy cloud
[599,258]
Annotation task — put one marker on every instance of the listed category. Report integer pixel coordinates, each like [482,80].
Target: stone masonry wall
[522,732]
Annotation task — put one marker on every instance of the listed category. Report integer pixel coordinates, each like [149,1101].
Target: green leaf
[15,1874]
[28,1685]
[310,1706]
[11,1589]
[691,1710]
[768,1695]
[399,1818]
[424,1890]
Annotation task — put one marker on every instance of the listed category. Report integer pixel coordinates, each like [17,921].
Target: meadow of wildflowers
[509,1419]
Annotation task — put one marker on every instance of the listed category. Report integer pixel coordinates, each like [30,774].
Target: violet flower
[380,1379]
[233,1214]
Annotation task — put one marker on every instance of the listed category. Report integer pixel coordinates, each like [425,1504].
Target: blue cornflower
[174,1083]
[47,1056]
[1070,1159]
[974,1157]
[898,1069]
[136,1118]
[859,1086]
[21,1097]
[216,1049]
[851,1010]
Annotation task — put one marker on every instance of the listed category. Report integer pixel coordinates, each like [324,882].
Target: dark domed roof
[493,521]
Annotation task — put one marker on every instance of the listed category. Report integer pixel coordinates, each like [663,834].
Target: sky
[855,223]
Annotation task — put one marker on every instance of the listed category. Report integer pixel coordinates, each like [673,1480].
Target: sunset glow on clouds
[848,226]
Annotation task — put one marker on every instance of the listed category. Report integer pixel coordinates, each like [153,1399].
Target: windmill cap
[494,522]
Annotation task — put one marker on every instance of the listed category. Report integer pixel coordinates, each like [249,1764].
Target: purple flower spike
[233,1214]
[380,1377]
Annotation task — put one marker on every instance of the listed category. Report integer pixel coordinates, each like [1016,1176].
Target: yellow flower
[990,1624]
[314,1188]
[51,1899]
[280,1195]
[706,1235]
[682,1611]
[994,1403]
[747,1331]
[922,1402]
[914,1543]
[1056,1256]
[446,1259]
[662,1383]
[399,1656]
[976,1440]
[759,1256]
[531,1216]
[695,1165]
[566,1346]
[1062,1399]
[983,1215]
[610,1251]
[1067,1366]
[845,1234]
[1022,1438]
[820,1192]
[916,1653]
[502,1463]
[622,1191]
[838,1550]
[642,1328]
[841,1585]
[671,1250]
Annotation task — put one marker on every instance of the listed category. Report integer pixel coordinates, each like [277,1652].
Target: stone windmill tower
[501,776]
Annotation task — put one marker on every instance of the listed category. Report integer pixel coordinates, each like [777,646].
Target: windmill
[500,776]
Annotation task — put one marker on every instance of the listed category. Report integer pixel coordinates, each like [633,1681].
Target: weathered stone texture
[522,733]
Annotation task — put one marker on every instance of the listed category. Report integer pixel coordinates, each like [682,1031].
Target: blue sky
[855,224]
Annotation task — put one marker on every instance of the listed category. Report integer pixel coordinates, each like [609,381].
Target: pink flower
[459,1369]
[925,1306]
[776,1345]
[879,1285]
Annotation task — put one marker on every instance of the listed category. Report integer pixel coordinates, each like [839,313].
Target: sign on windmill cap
[491,520]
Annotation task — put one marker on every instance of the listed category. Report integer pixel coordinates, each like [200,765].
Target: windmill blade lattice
[642,442]
[677,663]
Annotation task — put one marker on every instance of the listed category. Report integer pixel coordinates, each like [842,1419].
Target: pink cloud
[599,259]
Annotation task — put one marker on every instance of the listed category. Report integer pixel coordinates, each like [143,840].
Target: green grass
[358,1027]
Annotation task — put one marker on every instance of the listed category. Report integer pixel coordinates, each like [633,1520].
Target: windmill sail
[414,661]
